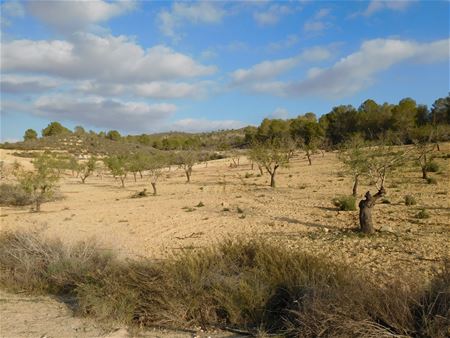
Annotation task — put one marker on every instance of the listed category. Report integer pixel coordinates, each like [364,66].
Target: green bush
[422,214]
[432,167]
[410,200]
[431,180]
[14,195]
[345,203]
[254,286]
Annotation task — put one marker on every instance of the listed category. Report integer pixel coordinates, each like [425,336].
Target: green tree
[440,112]
[353,156]
[30,135]
[40,184]
[271,155]
[113,135]
[307,133]
[54,128]
[118,167]
[86,169]
[79,130]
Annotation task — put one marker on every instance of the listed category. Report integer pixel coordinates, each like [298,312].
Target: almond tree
[186,160]
[86,169]
[382,160]
[118,167]
[40,184]
[271,155]
[353,156]
[155,167]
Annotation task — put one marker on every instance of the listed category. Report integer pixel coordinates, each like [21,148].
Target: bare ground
[297,214]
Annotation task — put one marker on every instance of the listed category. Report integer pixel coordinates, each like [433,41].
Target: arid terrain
[237,203]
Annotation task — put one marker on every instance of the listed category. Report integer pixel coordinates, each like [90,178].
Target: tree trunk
[38,204]
[424,172]
[154,188]
[122,179]
[252,165]
[134,175]
[261,171]
[272,177]
[272,180]
[188,176]
[83,179]
[140,173]
[309,158]
[355,186]
[365,211]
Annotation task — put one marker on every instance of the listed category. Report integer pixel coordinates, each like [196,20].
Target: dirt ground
[237,203]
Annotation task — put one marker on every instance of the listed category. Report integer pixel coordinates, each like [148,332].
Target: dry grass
[248,285]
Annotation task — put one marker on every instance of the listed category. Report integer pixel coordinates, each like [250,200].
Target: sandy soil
[298,213]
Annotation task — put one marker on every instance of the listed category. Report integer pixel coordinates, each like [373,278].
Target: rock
[326,230]
[387,228]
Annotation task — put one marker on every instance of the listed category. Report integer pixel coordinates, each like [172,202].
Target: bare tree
[155,167]
[424,147]
[186,160]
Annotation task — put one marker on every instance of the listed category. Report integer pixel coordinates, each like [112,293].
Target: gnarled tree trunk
[365,211]
[154,188]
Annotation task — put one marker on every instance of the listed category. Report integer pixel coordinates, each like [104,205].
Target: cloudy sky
[195,66]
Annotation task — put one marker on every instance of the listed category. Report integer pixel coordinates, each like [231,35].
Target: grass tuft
[345,203]
[253,286]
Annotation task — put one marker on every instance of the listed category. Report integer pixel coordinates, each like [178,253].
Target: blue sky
[197,66]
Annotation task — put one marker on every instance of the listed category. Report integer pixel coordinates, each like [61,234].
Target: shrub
[422,214]
[200,204]
[410,200]
[15,195]
[254,286]
[431,180]
[345,203]
[432,167]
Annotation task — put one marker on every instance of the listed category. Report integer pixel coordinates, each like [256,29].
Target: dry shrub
[13,194]
[247,285]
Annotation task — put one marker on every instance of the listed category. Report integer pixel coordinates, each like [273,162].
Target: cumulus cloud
[74,15]
[110,58]
[16,84]
[202,12]
[270,69]
[154,90]
[203,125]
[357,71]
[101,112]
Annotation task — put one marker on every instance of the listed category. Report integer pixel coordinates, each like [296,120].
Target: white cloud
[357,71]
[201,12]
[289,41]
[379,5]
[16,84]
[154,90]
[106,113]
[74,15]
[110,58]
[318,22]
[270,69]
[203,125]
[272,15]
